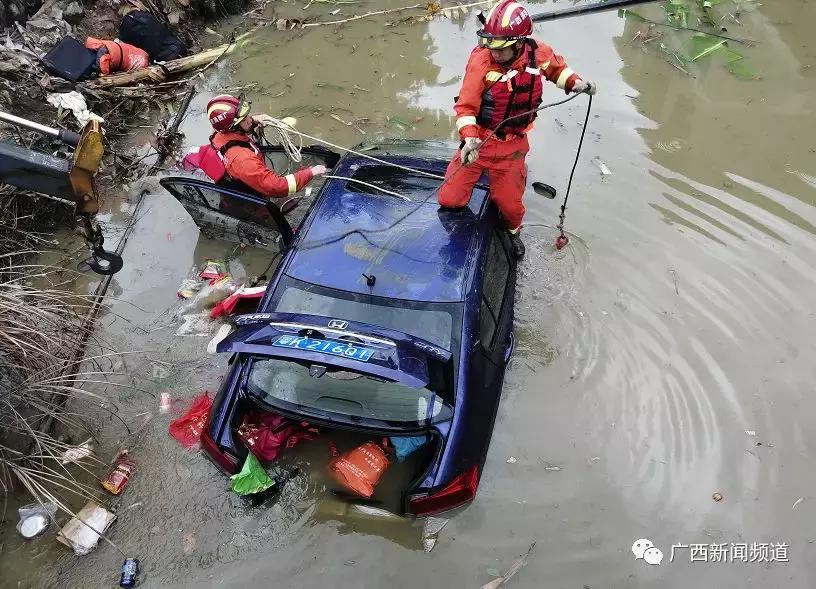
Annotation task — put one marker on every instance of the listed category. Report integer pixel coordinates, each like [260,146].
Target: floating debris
[511,460]
[404,125]
[430,531]
[82,533]
[189,543]
[717,497]
[451,81]
[605,171]
[750,432]
[374,512]
[797,502]
[511,572]
[77,453]
[164,403]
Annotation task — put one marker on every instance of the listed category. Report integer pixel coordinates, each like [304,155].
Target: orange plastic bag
[120,57]
[187,428]
[360,469]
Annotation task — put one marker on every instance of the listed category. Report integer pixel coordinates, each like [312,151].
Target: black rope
[432,192]
[574,165]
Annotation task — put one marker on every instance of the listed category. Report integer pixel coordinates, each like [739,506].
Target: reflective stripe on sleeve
[562,79]
[290,180]
[462,122]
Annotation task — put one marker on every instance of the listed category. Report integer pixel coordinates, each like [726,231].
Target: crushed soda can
[118,477]
[130,570]
[165,403]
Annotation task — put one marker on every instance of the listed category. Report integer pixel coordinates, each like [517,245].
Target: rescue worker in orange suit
[503,78]
[243,161]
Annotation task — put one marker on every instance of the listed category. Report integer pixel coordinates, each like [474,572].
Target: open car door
[233,215]
[230,215]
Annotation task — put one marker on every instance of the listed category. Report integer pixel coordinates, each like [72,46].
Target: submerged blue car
[386,316]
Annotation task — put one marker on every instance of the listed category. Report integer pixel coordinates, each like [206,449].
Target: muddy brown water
[665,355]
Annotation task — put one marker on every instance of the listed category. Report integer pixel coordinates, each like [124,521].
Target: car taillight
[458,492]
[226,461]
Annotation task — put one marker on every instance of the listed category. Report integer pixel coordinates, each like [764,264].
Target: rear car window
[433,325]
[343,392]
[408,184]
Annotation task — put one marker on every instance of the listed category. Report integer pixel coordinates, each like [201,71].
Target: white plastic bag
[81,532]
[210,295]
[34,518]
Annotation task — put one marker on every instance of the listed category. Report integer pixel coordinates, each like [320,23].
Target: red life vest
[512,93]
[210,160]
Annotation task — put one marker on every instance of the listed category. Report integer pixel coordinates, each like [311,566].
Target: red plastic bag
[229,304]
[268,434]
[187,428]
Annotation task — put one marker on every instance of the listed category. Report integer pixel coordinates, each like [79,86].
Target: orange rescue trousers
[507,175]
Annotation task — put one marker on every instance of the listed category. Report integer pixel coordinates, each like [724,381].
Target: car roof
[413,250]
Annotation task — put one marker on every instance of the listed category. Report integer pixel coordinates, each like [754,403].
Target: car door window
[494,285]
[229,214]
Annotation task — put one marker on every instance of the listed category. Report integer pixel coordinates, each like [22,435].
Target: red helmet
[225,112]
[507,22]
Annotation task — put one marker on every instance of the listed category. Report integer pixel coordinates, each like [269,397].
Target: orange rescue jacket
[120,57]
[482,71]
[247,165]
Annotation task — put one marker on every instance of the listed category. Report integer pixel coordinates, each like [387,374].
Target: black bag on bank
[71,60]
[142,29]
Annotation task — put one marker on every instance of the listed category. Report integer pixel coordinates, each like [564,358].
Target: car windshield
[433,322]
[280,382]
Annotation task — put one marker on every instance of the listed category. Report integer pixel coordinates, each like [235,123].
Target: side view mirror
[544,190]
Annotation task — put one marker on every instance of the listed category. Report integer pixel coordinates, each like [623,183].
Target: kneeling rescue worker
[232,155]
[503,78]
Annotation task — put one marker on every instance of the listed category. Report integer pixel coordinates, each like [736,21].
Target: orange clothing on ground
[482,71]
[247,165]
[120,57]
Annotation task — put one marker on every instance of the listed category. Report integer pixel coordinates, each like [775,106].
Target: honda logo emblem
[338,324]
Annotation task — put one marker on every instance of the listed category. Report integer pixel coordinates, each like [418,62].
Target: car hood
[396,356]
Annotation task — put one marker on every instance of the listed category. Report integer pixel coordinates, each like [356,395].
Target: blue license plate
[324,347]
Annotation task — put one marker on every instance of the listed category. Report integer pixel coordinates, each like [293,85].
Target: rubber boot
[516,245]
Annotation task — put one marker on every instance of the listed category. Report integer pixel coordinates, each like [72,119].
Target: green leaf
[739,65]
[709,50]
[404,125]
[702,45]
